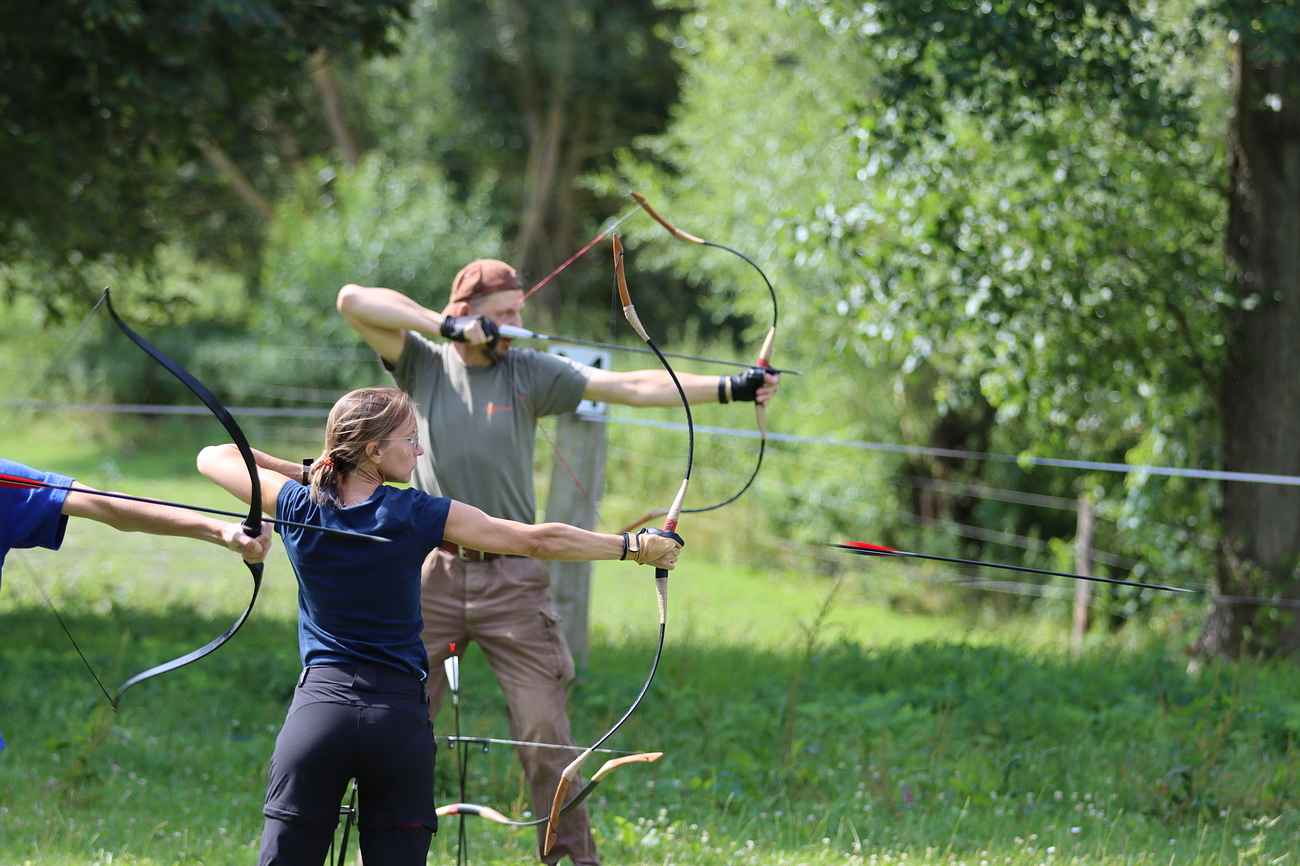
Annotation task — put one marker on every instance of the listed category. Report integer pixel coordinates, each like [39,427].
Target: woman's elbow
[210,459]
[347,297]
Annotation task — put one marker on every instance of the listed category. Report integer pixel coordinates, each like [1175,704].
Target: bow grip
[666,533]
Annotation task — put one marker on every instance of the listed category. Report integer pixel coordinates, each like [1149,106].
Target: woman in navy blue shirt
[360,707]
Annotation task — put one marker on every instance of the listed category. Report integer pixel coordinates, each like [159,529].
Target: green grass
[803,719]
[795,730]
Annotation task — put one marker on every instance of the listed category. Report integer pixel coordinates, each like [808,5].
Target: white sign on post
[598,358]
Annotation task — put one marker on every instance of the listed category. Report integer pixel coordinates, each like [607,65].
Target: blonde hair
[357,419]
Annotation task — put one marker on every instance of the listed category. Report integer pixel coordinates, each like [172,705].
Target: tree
[544,92]
[1018,204]
[1015,62]
[108,104]
[1260,391]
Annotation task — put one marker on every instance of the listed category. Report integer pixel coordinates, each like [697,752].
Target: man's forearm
[387,308]
[646,388]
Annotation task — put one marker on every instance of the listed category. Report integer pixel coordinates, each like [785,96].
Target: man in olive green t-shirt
[478,404]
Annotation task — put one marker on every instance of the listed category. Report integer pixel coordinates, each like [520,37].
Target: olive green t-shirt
[476,423]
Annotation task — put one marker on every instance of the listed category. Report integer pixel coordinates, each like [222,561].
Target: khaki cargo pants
[505,607]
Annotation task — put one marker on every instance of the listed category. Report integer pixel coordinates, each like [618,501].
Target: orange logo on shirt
[493,408]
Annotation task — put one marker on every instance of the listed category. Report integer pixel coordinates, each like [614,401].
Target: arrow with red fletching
[862,548]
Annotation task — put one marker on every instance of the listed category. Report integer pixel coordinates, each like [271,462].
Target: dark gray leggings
[361,722]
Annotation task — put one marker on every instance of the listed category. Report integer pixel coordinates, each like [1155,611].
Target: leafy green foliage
[520,99]
[1037,272]
[105,105]
[380,225]
[1010,62]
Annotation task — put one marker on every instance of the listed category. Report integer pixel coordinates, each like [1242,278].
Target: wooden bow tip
[624,296]
[614,763]
[552,823]
[672,229]
[472,809]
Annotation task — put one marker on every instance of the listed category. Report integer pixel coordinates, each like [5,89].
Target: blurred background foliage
[993,228]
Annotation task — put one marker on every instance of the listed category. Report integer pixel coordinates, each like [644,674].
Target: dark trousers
[363,722]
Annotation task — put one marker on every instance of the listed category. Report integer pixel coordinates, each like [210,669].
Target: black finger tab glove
[742,387]
[455,328]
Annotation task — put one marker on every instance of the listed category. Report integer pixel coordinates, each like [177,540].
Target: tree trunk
[549,121]
[1260,396]
[241,183]
[331,105]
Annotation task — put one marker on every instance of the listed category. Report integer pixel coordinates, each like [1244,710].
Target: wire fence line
[857,444]
[721,525]
[946,527]
[873,511]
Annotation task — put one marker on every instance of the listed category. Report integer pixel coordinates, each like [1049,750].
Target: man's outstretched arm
[655,387]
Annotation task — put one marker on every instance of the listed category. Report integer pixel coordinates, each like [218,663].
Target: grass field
[867,737]
[803,719]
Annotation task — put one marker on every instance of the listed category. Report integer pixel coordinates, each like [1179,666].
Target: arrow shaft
[546,279]
[875,550]
[525,334]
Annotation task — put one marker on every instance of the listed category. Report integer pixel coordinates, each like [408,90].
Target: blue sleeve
[32,516]
[433,514]
[291,502]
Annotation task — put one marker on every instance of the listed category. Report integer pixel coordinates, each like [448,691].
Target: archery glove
[457,328]
[742,387]
[649,545]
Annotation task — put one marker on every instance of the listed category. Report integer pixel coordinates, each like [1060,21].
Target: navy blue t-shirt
[359,600]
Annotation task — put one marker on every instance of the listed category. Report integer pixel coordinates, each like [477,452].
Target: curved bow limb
[661,575]
[605,769]
[763,360]
[252,522]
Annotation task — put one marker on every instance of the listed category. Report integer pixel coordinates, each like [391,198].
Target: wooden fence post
[581,436]
[1083,541]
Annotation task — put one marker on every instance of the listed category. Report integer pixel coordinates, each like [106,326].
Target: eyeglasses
[414,440]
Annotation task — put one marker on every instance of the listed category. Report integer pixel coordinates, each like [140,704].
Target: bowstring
[573,258]
[60,360]
[40,585]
